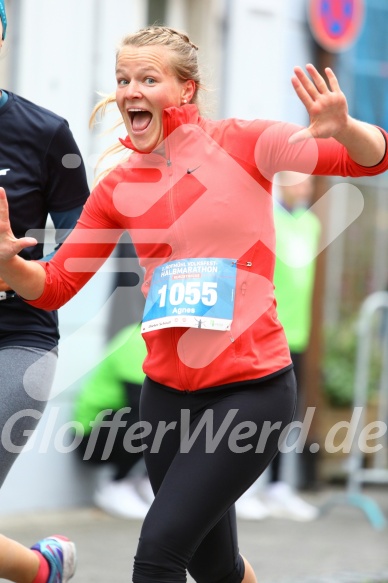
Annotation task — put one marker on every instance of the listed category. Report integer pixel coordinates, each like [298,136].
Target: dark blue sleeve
[64,175]
[64,222]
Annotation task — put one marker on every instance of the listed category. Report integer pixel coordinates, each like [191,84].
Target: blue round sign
[335,24]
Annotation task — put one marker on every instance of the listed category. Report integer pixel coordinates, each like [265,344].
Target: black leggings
[192,523]
[275,467]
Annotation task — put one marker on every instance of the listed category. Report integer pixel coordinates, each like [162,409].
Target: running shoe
[120,498]
[60,554]
[249,507]
[283,502]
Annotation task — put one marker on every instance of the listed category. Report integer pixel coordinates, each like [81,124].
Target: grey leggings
[26,377]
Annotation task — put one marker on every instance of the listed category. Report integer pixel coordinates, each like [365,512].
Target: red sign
[335,24]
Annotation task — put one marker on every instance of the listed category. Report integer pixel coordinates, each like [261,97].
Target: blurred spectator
[106,407]
[297,237]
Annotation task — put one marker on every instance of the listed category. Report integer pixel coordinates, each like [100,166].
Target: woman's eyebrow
[143,70]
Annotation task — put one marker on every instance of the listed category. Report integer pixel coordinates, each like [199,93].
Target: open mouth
[140,119]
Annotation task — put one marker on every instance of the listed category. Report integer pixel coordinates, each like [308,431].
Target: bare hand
[9,245]
[4,286]
[325,103]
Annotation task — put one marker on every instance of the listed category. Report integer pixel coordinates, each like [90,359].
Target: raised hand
[4,286]
[9,245]
[324,101]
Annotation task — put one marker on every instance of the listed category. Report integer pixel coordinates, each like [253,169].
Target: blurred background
[61,55]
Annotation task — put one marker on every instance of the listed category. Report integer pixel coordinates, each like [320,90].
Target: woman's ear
[188,91]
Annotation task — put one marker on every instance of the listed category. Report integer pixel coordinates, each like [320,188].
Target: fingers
[24,242]
[10,246]
[304,87]
[3,205]
[317,78]
[310,88]
[301,92]
[333,81]
[319,81]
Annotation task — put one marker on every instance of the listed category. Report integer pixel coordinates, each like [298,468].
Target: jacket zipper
[166,128]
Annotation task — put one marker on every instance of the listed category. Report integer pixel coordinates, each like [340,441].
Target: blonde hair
[183,63]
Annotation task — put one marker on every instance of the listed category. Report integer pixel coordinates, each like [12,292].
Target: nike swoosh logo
[191,170]
[4,171]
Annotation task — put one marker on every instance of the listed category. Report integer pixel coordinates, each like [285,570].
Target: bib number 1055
[192,293]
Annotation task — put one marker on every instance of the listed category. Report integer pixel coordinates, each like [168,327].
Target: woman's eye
[122,82]
[149,81]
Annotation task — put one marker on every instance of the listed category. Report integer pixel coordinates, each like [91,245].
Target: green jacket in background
[297,238]
[105,387]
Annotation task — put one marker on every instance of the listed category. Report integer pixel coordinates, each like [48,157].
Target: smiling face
[146,85]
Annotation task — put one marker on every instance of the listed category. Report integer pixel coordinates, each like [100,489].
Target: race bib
[191,293]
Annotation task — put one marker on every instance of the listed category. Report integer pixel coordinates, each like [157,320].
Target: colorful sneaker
[60,554]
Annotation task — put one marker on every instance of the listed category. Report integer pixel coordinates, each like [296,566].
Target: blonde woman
[195,196]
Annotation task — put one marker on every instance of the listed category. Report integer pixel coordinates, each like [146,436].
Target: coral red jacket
[205,193]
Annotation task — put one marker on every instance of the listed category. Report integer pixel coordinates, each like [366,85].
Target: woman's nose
[133,90]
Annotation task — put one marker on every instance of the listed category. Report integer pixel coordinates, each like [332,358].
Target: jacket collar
[173,117]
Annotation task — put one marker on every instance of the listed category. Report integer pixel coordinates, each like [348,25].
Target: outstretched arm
[27,278]
[329,118]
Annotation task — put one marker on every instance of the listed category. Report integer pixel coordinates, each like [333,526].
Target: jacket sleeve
[85,250]
[325,157]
